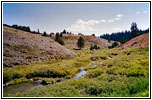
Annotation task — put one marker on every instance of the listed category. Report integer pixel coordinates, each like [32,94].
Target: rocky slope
[23,48]
[140,41]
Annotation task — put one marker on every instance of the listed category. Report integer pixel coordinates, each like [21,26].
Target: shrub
[80,42]
[104,57]
[44,34]
[46,72]
[115,44]
[7,76]
[94,73]
[94,47]
[59,39]
[18,81]
[44,82]
[107,77]
[92,90]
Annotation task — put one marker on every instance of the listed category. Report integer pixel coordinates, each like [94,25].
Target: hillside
[140,41]
[93,73]
[23,48]
[71,40]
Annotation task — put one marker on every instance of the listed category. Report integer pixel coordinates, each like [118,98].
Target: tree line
[125,36]
[23,28]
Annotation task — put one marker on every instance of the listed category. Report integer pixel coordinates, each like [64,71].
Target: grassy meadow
[119,73]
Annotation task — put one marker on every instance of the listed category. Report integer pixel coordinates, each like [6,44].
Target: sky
[85,18]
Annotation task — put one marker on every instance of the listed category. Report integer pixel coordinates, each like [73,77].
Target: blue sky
[87,18]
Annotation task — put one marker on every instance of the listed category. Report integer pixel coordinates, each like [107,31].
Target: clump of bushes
[94,73]
[59,39]
[92,90]
[80,42]
[107,77]
[24,28]
[46,72]
[7,76]
[18,81]
[104,57]
[115,44]
[94,47]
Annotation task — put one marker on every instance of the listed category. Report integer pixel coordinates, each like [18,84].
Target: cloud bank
[81,25]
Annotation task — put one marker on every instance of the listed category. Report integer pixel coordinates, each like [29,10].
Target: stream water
[23,87]
[19,88]
[81,74]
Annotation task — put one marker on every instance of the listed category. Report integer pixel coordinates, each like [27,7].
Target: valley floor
[110,73]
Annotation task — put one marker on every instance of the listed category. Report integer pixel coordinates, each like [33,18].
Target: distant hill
[23,48]
[139,41]
[71,40]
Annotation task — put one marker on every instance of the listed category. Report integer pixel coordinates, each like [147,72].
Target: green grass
[125,75]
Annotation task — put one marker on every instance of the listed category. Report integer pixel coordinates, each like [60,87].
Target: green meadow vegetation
[119,73]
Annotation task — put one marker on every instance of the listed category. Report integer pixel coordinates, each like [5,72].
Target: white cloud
[110,21]
[145,11]
[119,15]
[117,18]
[82,25]
[137,12]
[103,20]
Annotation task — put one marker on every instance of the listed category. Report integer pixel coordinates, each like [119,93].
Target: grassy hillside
[24,48]
[71,41]
[122,73]
[109,72]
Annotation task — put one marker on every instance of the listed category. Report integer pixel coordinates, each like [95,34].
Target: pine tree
[61,34]
[91,48]
[134,30]
[123,40]
[80,43]
[59,39]
[44,33]
[64,31]
[38,32]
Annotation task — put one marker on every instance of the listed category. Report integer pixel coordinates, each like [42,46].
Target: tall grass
[125,75]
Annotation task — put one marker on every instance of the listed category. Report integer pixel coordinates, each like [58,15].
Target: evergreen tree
[50,34]
[61,34]
[95,47]
[91,48]
[109,39]
[123,40]
[64,31]
[38,32]
[93,34]
[80,42]
[134,30]
[57,36]
[44,33]
[59,39]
